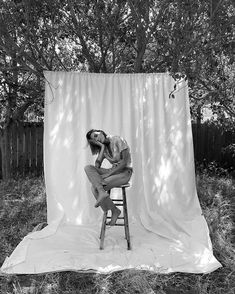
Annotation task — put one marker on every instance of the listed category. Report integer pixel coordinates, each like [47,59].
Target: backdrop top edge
[106,74]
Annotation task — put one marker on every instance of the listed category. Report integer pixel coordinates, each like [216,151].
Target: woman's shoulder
[116,138]
[119,143]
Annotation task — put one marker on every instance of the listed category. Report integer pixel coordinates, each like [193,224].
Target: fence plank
[20,150]
[8,153]
[2,145]
[201,142]
[206,143]
[33,148]
[39,149]
[197,142]
[1,161]
[14,149]
[213,151]
[218,142]
[27,148]
[194,133]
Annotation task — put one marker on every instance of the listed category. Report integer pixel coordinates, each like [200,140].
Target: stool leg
[102,232]
[103,227]
[125,214]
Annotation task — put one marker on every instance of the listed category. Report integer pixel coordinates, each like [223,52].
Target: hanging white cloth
[168,230]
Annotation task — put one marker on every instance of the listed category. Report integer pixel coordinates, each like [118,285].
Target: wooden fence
[209,141]
[21,147]
[21,150]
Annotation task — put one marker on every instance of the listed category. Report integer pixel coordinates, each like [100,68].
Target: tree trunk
[139,58]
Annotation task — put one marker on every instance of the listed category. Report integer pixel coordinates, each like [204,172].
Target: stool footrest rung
[120,217]
[120,225]
[107,224]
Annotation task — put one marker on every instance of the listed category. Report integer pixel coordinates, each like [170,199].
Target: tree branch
[85,49]
[19,112]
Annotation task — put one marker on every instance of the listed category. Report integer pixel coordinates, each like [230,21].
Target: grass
[23,206]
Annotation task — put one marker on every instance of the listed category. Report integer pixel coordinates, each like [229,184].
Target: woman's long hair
[94,148]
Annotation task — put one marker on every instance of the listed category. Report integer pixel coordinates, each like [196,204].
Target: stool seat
[123,186]
[118,202]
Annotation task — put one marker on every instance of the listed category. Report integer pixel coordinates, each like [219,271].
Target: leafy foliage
[194,38]
[228,156]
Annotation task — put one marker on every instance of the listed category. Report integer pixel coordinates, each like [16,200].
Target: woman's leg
[94,176]
[106,204]
[115,181]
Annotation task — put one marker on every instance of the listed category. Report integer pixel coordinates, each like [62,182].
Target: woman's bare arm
[109,158]
[100,157]
[120,165]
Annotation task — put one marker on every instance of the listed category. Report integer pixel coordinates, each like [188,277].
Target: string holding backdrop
[168,230]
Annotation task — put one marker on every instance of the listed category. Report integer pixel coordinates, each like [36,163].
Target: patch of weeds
[217,195]
[23,206]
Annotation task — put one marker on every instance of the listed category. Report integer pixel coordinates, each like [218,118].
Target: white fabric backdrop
[168,231]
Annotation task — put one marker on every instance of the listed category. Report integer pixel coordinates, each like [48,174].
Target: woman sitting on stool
[117,152]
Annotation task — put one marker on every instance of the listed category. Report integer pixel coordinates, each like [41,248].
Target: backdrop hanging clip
[179,78]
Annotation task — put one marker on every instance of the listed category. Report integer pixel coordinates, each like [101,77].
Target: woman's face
[98,136]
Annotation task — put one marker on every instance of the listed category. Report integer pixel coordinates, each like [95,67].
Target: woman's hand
[109,158]
[96,142]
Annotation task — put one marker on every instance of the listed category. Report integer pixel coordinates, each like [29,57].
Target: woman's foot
[115,214]
[102,195]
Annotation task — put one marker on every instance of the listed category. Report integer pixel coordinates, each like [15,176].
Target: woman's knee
[94,191]
[88,168]
[125,177]
[128,174]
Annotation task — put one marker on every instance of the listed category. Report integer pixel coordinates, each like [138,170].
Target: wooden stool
[118,202]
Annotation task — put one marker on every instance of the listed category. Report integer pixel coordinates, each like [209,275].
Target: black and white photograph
[117,147]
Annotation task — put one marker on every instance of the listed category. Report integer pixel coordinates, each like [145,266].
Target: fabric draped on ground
[168,230]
